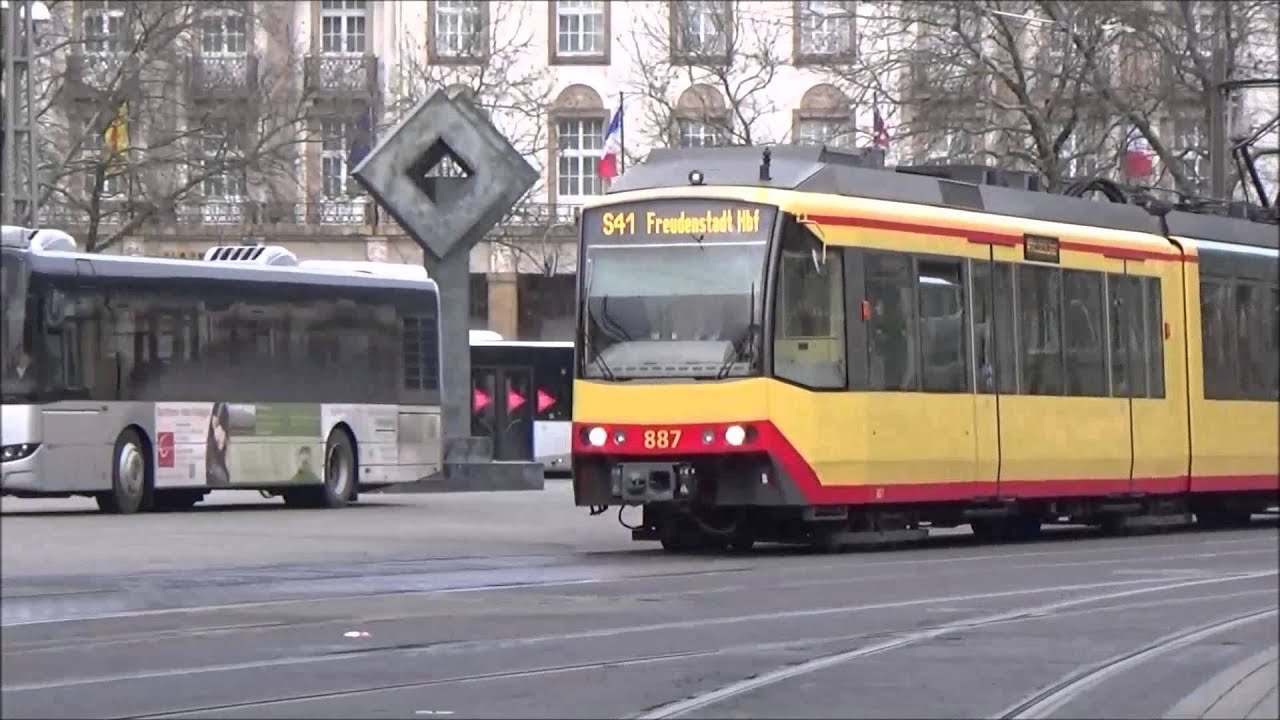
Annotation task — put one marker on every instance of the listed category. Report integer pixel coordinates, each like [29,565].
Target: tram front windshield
[674,289]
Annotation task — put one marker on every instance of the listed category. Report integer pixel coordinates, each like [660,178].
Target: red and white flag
[611,155]
[1137,159]
[880,133]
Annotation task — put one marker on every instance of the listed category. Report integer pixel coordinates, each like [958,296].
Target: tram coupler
[638,483]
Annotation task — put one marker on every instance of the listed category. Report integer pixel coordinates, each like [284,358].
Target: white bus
[146,382]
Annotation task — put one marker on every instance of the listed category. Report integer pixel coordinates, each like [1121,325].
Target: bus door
[502,405]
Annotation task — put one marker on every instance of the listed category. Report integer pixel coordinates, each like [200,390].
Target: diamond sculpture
[446,174]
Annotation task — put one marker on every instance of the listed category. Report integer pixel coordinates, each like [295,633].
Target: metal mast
[19,182]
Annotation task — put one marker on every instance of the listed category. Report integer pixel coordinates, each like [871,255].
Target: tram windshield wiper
[743,346]
[592,319]
[598,360]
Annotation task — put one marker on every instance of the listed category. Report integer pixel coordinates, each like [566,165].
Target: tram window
[1128,355]
[891,337]
[1254,357]
[1084,334]
[1006,329]
[942,323]
[984,333]
[809,347]
[1243,298]
[1272,316]
[1217,333]
[1155,337]
[1040,311]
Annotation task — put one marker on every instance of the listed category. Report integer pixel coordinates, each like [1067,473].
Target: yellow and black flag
[115,142]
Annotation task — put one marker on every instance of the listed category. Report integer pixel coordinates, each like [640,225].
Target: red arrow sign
[514,400]
[480,400]
[544,401]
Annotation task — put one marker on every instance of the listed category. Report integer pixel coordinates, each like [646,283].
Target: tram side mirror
[818,254]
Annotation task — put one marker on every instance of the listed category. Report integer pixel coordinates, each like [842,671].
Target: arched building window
[701,118]
[825,117]
[578,118]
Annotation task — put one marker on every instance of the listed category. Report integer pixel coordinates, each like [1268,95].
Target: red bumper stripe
[684,439]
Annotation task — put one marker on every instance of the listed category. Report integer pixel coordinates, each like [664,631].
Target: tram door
[502,409]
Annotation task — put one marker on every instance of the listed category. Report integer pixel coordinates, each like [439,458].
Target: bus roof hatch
[252,254]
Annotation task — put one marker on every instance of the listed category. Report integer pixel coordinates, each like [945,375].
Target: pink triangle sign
[544,401]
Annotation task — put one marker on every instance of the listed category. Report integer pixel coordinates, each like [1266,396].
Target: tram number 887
[661,439]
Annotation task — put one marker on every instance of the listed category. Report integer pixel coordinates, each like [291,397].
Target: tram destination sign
[682,220]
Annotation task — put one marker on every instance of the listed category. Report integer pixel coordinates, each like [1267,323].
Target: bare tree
[495,66]
[1059,88]
[868,71]
[984,82]
[1166,90]
[146,106]
[716,44]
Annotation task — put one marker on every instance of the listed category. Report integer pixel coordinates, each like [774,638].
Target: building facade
[268,104]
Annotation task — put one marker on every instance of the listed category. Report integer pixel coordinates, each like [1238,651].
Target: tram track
[743,649]
[883,640]
[613,632]
[1044,702]
[714,621]
[150,635]
[708,699]
[856,571]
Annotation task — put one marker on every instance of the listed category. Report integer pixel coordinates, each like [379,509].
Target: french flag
[1138,162]
[612,152]
[880,133]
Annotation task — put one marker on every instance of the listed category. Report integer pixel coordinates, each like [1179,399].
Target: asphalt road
[519,605]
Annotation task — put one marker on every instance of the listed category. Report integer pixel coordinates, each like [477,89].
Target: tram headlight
[735,435]
[598,436]
[18,452]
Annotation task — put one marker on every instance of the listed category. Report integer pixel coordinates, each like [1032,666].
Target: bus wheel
[130,477]
[339,471]
[339,486]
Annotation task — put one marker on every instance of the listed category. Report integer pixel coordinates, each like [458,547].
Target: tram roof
[1222,229]
[862,174]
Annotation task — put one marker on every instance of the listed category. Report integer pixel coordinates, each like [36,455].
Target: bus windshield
[681,295]
[18,377]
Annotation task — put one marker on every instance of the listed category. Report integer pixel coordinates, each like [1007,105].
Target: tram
[796,345]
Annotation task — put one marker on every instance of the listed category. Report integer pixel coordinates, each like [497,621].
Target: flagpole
[622,137]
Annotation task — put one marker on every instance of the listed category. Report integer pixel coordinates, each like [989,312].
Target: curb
[1240,691]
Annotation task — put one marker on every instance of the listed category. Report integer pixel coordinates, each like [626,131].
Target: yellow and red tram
[795,347]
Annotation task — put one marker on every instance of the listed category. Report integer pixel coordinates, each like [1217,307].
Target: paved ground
[519,605]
